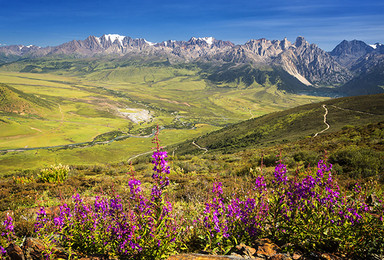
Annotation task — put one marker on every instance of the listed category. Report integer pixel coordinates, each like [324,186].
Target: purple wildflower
[217,188]
[260,184]
[8,224]
[134,186]
[41,219]
[2,251]
[280,174]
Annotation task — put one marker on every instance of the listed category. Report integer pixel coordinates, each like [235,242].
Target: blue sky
[323,22]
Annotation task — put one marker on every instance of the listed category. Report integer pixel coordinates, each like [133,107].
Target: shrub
[359,162]
[308,157]
[23,179]
[54,174]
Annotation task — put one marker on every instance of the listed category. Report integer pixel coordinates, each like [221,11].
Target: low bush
[54,174]
[359,162]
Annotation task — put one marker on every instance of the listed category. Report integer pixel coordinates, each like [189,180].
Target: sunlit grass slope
[292,124]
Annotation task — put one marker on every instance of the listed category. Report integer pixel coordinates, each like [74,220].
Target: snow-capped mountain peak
[113,37]
[150,43]
[208,40]
[376,45]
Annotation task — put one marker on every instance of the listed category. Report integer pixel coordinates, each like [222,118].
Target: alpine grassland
[111,158]
[67,104]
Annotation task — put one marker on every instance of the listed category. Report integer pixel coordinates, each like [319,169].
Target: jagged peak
[300,41]
[208,40]
[285,43]
[120,39]
[112,38]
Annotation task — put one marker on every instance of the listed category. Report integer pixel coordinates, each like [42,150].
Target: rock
[203,257]
[53,211]
[265,248]
[236,255]
[296,256]
[326,256]
[14,252]
[279,257]
[372,200]
[34,249]
[246,250]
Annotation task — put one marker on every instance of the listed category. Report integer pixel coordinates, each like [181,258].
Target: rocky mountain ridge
[306,62]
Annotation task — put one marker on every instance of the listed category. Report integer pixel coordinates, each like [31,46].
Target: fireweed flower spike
[8,224]
[280,174]
[160,168]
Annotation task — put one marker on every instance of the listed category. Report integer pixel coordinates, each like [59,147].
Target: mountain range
[351,68]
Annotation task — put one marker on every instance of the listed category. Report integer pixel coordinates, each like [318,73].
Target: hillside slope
[293,124]
[16,101]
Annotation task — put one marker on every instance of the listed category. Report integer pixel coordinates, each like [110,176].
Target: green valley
[63,102]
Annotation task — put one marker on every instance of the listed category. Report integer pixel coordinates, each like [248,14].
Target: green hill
[15,101]
[291,125]
[369,82]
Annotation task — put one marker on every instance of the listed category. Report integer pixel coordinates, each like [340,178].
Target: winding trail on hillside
[138,155]
[325,121]
[141,154]
[62,114]
[250,111]
[357,111]
[198,146]
[36,129]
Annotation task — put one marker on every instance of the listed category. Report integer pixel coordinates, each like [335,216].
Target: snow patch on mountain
[114,37]
[150,43]
[376,45]
[208,40]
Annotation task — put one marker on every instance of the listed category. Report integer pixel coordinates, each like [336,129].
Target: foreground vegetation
[171,211]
